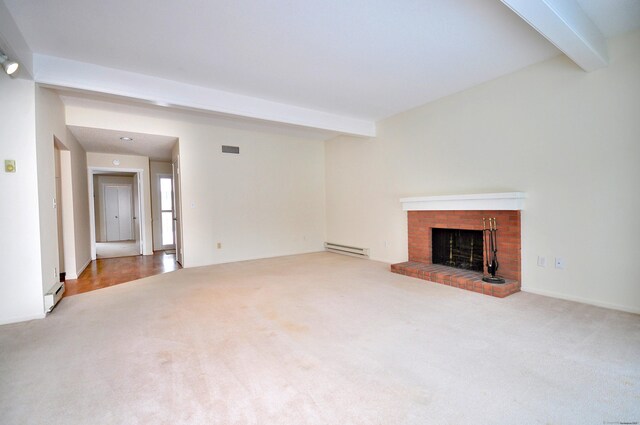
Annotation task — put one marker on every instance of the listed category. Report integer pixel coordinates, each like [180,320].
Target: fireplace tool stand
[490,240]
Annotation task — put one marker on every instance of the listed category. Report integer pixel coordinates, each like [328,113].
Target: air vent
[52,297]
[230,149]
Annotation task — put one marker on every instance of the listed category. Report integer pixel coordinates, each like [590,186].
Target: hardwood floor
[107,272]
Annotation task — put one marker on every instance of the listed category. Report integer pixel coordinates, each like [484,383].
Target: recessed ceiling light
[126,139]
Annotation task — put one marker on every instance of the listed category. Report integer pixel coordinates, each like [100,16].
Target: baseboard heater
[347,250]
[52,297]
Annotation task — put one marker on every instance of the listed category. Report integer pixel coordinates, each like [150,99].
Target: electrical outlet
[542,261]
[560,264]
[55,272]
[219,245]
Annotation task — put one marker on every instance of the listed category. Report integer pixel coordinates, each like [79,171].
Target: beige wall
[76,222]
[21,284]
[58,174]
[99,181]
[157,168]
[267,201]
[567,138]
[50,123]
[128,163]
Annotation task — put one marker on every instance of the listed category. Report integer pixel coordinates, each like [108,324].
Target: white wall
[57,167]
[80,221]
[569,139]
[50,123]
[21,284]
[75,207]
[157,168]
[128,163]
[267,201]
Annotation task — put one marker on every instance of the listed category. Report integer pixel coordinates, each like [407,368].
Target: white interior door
[118,213]
[111,206]
[125,209]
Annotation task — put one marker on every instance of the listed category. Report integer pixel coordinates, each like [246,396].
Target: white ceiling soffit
[613,17]
[67,74]
[98,140]
[567,26]
[100,102]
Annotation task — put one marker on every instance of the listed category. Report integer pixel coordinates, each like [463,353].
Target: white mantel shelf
[478,201]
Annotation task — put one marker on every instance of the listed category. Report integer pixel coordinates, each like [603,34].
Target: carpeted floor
[117,249]
[317,339]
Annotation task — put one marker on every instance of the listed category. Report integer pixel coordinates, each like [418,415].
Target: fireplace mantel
[474,202]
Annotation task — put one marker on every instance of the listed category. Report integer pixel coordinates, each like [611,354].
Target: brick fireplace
[427,213]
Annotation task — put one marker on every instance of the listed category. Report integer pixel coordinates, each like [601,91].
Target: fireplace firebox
[457,248]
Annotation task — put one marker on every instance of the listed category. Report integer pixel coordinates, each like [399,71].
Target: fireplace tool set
[490,235]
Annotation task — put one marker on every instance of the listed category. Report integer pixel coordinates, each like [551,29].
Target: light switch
[9,166]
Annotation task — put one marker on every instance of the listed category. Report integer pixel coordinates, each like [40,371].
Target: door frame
[177,209]
[140,207]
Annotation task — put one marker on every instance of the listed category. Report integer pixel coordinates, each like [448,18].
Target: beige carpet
[117,249]
[317,339]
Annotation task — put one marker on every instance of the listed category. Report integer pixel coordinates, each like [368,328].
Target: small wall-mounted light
[9,166]
[126,139]
[10,67]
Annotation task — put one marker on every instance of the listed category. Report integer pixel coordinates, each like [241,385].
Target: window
[166,210]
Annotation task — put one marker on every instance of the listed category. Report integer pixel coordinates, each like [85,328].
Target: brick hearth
[420,265]
[463,279]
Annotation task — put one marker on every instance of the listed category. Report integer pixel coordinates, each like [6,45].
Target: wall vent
[347,250]
[230,149]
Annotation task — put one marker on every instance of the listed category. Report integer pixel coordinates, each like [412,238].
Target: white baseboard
[79,272]
[582,300]
[9,320]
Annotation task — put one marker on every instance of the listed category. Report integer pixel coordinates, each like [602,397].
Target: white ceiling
[365,59]
[360,58]
[157,148]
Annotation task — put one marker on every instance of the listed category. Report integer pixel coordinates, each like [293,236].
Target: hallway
[117,249]
[102,273]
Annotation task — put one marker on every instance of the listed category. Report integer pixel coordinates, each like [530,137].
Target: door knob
[116,216]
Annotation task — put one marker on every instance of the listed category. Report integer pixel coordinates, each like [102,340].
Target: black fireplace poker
[490,239]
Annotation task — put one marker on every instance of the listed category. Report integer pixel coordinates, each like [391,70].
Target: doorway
[116,212]
[167,231]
